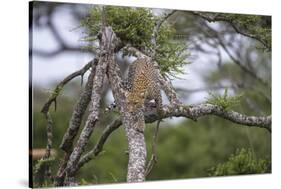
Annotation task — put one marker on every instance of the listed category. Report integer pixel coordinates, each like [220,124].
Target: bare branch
[78,112]
[59,179]
[59,87]
[191,112]
[49,129]
[137,149]
[99,145]
[52,98]
[91,121]
[218,18]
[197,111]
[105,56]
[236,61]
[74,124]
[163,19]
[153,159]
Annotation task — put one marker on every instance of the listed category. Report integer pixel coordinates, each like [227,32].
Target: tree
[137,32]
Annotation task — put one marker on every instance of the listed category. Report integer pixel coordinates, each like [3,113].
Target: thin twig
[153,159]
[236,61]
[218,18]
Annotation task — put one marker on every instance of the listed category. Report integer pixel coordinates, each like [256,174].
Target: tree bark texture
[99,77]
[132,123]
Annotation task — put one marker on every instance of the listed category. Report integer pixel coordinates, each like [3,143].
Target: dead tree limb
[74,124]
[191,112]
[153,159]
[96,97]
[78,112]
[53,98]
[101,141]
[220,42]
[59,87]
[197,111]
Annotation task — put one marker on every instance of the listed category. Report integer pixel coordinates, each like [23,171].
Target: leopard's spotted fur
[143,85]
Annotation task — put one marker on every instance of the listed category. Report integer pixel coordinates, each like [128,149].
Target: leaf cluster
[131,25]
[134,26]
[225,101]
[242,162]
[171,54]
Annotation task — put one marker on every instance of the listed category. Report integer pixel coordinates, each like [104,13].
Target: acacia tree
[137,32]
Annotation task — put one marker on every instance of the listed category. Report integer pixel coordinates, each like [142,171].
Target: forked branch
[59,87]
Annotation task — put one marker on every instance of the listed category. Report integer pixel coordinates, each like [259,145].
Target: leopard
[143,85]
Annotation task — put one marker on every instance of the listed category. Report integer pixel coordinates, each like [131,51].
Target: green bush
[135,26]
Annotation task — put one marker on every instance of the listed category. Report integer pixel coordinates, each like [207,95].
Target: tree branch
[191,112]
[236,61]
[218,18]
[105,56]
[49,135]
[52,98]
[99,145]
[74,125]
[78,112]
[197,111]
[133,123]
[59,87]
[153,159]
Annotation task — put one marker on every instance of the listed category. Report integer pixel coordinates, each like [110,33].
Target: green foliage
[135,26]
[243,162]
[225,101]
[131,25]
[172,55]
